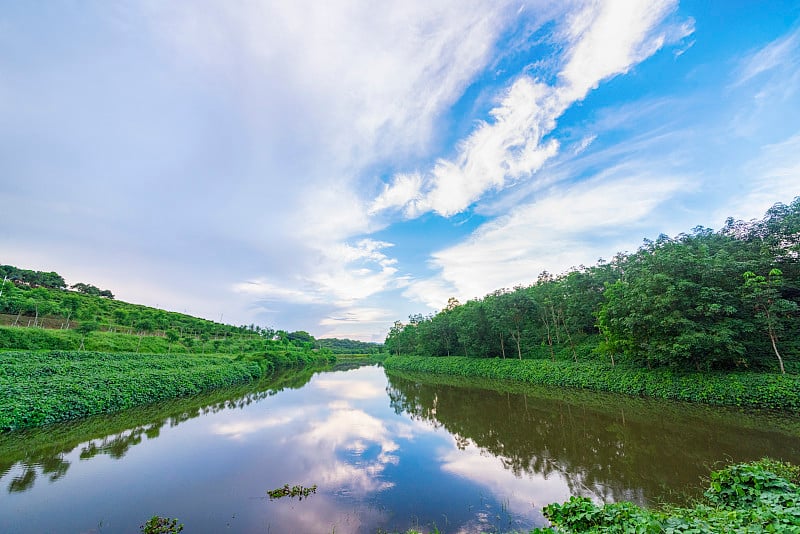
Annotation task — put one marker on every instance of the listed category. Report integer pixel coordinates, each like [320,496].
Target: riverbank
[40,388]
[745,389]
[760,496]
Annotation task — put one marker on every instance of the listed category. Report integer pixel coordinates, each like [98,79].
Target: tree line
[700,300]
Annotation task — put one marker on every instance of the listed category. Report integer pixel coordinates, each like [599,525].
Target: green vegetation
[291,491]
[161,525]
[40,388]
[703,301]
[87,318]
[752,390]
[348,346]
[75,353]
[63,318]
[43,451]
[760,496]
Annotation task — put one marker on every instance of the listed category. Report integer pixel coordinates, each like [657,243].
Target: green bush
[760,496]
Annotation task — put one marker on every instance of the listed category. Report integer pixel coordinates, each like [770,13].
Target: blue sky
[334,167]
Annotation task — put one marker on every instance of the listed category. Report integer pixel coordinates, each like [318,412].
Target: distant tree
[87,289]
[300,336]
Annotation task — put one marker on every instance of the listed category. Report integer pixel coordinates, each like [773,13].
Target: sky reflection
[384,455]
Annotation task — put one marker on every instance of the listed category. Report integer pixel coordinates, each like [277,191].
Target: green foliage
[677,302]
[161,525]
[32,278]
[293,491]
[89,289]
[348,346]
[751,497]
[47,449]
[40,300]
[39,388]
[755,390]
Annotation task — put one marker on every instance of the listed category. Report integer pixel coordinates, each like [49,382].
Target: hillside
[87,317]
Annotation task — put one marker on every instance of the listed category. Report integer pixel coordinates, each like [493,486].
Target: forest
[702,300]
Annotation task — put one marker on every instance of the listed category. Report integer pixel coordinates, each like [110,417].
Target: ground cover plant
[760,496]
[39,388]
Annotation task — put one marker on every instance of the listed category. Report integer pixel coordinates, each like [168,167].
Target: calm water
[387,454]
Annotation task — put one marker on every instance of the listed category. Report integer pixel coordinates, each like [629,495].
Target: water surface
[387,454]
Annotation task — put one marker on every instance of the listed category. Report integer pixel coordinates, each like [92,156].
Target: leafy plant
[749,497]
[161,525]
[291,491]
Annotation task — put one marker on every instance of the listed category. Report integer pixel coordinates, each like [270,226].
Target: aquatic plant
[291,491]
[161,525]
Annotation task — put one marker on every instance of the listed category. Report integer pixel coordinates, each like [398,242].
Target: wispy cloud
[773,176]
[777,54]
[562,229]
[601,40]
[344,275]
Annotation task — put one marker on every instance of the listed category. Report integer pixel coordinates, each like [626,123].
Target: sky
[336,166]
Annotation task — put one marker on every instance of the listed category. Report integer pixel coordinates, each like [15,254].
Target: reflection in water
[608,447]
[458,456]
[43,449]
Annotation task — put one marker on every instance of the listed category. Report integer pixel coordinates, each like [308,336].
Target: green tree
[771,310]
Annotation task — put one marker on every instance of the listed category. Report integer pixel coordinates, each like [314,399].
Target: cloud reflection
[350,389]
[520,494]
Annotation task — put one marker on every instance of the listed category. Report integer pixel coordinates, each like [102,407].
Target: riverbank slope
[39,388]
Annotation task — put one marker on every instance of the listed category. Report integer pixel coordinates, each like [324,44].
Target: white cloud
[773,176]
[608,38]
[350,84]
[352,66]
[434,292]
[776,54]
[343,275]
[348,388]
[404,192]
[357,315]
[602,40]
[764,88]
[518,493]
[562,229]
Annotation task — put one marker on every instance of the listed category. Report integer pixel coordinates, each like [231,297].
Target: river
[386,454]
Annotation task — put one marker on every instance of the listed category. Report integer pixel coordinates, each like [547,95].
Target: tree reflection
[43,450]
[605,446]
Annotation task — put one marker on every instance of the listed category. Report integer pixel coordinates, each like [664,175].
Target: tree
[514,308]
[764,295]
[85,328]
